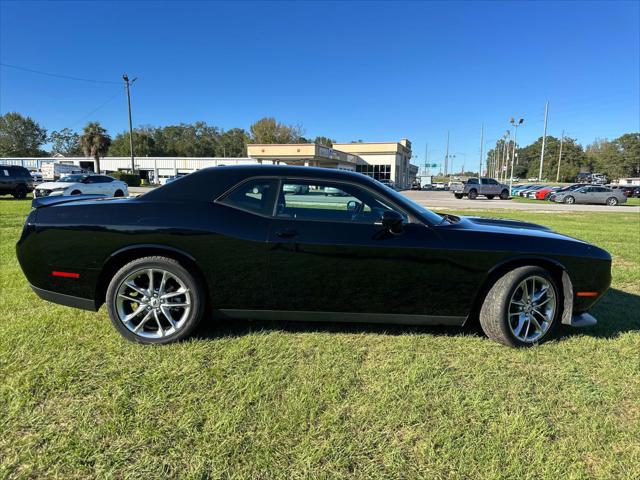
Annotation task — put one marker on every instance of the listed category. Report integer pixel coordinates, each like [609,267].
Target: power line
[95,109]
[67,77]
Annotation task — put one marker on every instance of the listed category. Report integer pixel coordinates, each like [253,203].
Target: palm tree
[95,142]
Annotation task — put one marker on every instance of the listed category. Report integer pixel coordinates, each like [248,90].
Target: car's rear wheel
[20,192]
[118,193]
[522,308]
[458,195]
[155,300]
[473,194]
[490,197]
[569,199]
[504,195]
[612,201]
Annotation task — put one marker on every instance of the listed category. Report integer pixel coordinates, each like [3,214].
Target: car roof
[211,182]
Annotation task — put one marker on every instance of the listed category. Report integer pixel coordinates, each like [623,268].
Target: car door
[330,253]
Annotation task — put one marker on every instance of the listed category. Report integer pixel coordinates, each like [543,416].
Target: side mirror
[392,221]
[352,206]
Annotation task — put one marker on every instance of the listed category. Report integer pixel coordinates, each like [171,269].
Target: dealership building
[380,160]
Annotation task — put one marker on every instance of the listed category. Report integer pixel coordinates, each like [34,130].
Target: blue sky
[349,70]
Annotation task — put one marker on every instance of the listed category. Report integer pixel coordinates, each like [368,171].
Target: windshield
[71,178]
[432,217]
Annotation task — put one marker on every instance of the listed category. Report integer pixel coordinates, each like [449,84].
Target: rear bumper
[67,300]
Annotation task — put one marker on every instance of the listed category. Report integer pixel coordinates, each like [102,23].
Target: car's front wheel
[569,199]
[118,193]
[504,195]
[155,300]
[522,308]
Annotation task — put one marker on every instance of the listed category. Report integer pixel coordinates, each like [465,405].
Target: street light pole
[127,84]
[515,140]
[560,157]
[544,139]
[481,145]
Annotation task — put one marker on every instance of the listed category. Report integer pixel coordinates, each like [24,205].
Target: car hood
[511,227]
[53,185]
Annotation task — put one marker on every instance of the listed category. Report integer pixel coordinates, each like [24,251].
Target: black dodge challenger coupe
[300,243]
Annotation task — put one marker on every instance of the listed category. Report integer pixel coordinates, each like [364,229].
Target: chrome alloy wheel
[532,309]
[153,303]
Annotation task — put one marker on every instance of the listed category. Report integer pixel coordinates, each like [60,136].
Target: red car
[543,193]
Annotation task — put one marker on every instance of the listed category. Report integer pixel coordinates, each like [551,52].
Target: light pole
[515,139]
[505,156]
[127,84]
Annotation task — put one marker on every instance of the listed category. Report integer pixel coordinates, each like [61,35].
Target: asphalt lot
[441,201]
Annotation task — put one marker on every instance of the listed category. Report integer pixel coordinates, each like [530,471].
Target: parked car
[487,187]
[532,193]
[532,188]
[545,193]
[515,189]
[389,183]
[209,245]
[440,186]
[415,185]
[15,180]
[83,184]
[302,189]
[591,194]
[568,188]
[37,177]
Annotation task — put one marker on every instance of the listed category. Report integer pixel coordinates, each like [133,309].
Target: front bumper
[583,320]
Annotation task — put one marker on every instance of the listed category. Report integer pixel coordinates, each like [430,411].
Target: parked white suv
[83,184]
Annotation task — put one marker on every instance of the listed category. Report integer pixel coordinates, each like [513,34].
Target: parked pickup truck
[488,187]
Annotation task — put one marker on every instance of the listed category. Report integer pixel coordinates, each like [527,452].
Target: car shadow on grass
[618,312]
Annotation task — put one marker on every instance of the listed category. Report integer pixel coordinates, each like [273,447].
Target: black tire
[458,195]
[20,192]
[118,193]
[490,197]
[76,192]
[473,194]
[504,195]
[495,308]
[569,199]
[612,201]
[198,300]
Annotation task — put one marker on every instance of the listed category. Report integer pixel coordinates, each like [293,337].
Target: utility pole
[127,84]
[481,145]
[446,156]
[544,139]
[560,157]
[515,139]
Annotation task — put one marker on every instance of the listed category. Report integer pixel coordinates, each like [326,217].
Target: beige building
[380,160]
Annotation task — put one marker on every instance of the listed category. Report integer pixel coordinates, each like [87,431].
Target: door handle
[286,233]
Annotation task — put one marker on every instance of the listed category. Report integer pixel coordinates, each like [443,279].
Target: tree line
[616,158]
[21,136]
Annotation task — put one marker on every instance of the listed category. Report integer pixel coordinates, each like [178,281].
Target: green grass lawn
[282,400]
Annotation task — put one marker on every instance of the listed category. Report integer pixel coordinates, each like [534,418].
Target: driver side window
[328,201]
